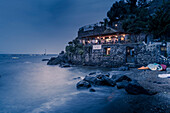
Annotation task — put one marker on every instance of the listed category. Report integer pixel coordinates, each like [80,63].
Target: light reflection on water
[36,87]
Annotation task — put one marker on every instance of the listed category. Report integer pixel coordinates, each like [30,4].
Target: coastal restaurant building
[111,46]
[98,36]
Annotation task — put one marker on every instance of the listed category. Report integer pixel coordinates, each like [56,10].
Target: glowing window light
[124,35]
[122,39]
[108,51]
[115,25]
[83,41]
[107,40]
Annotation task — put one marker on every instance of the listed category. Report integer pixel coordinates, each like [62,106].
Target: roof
[110,30]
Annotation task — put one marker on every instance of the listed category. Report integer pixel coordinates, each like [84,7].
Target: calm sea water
[28,85]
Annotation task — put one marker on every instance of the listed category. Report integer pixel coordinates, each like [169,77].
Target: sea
[29,85]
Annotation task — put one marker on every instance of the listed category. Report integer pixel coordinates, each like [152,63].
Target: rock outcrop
[60,59]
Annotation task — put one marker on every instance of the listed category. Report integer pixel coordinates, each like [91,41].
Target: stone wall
[143,55]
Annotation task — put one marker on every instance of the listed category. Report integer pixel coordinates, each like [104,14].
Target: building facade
[112,47]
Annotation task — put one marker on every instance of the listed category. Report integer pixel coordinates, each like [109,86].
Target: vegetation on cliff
[142,18]
[77,48]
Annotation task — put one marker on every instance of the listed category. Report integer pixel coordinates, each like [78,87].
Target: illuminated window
[107,51]
[83,41]
[96,41]
[122,38]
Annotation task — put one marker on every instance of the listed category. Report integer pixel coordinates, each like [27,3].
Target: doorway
[130,57]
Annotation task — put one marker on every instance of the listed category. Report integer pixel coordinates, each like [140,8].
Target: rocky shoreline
[121,81]
[143,90]
[131,78]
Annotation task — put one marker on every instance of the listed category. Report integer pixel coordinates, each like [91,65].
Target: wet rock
[83,84]
[108,74]
[92,90]
[62,58]
[122,84]
[65,65]
[123,77]
[77,78]
[105,80]
[135,88]
[157,82]
[45,59]
[115,76]
[100,80]
[124,68]
[92,73]
[91,79]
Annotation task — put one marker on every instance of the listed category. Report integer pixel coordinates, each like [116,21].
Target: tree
[121,10]
[137,23]
[117,11]
[141,3]
[105,22]
[159,23]
[132,2]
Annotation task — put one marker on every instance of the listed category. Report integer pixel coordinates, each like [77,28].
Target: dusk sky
[30,26]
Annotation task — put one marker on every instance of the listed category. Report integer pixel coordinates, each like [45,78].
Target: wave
[56,102]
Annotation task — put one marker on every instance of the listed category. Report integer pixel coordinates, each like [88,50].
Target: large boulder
[105,80]
[83,84]
[100,80]
[123,77]
[135,88]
